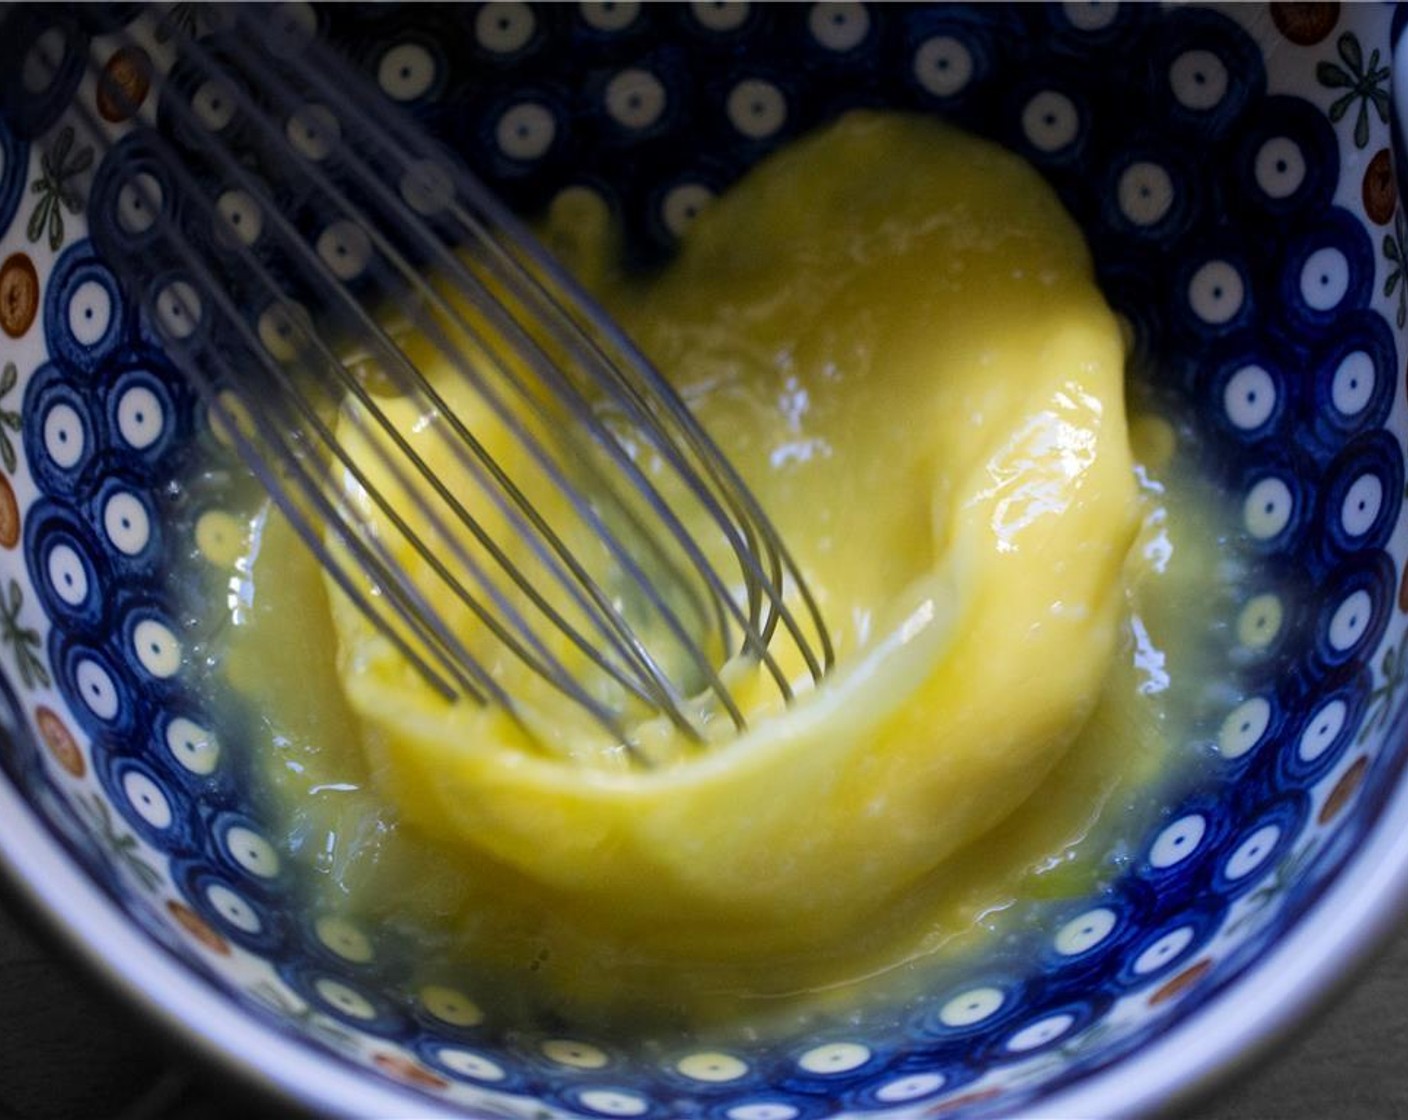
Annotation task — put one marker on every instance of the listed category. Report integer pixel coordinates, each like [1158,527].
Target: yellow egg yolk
[893,330]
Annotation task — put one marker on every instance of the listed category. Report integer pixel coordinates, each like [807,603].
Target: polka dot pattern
[1253,279]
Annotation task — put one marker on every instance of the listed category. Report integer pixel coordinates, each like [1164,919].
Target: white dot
[238,221]
[345,248]
[756,108]
[1041,1032]
[1267,508]
[406,71]
[1252,852]
[234,909]
[1178,841]
[1324,279]
[178,310]
[41,62]
[214,104]
[614,1102]
[683,204]
[96,687]
[450,1006]
[1086,931]
[606,15]
[252,852]
[347,1000]
[138,203]
[89,312]
[344,939]
[1260,621]
[834,1057]
[156,648]
[1145,193]
[1353,384]
[1243,727]
[635,98]
[1198,79]
[292,26]
[1350,620]
[1249,398]
[720,15]
[577,1055]
[839,26]
[192,746]
[467,1063]
[1280,167]
[1165,949]
[147,798]
[504,28]
[427,187]
[1362,503]
[127,523]
[1050,121]
[525,131]
[313,131]
[712,1066]
[762,1110]
[1322,730]
[283,330]
[140,417]
[67,575]
[943,65]
[64,437]
[1215,292]
[1090,15]
[910,1088]
[971,1007]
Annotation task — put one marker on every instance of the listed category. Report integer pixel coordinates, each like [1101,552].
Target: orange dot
[9,515]
[1380,189]
[60,741]
[19,294]
[1305,24]
[1181,983]
[393,1065]
[124,83]
[197,927]
[1344,790]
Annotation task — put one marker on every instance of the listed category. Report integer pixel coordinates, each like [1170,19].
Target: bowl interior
[1233,173]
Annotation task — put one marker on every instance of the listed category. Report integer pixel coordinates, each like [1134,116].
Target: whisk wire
[557,375]
[547,372]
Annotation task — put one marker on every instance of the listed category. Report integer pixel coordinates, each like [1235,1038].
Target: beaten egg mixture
[893,330]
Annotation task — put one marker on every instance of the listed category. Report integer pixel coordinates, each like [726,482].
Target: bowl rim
[1326,948]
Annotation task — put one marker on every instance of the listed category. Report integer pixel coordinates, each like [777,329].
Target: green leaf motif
[57,187]
[1361,126]
[24,640]
[1363,83]
[1332,77]
[1351,53]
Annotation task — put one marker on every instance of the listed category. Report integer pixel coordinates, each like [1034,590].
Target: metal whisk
[308,252]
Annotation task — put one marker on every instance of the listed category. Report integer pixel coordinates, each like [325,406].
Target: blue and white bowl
[1234,173]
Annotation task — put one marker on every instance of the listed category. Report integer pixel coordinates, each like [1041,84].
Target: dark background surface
[68,1054]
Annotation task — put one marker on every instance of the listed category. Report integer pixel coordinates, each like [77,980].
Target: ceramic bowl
[1233,172]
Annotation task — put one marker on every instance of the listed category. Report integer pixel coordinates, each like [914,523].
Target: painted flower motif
[60,166]
[9,417]
[24,639]
[1287,874]
[1366,85]
[1396,252]
[122,846]
[1382,699]
[187,21]
[278,1002]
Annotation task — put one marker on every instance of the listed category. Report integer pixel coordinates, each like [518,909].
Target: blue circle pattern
[1207,299]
